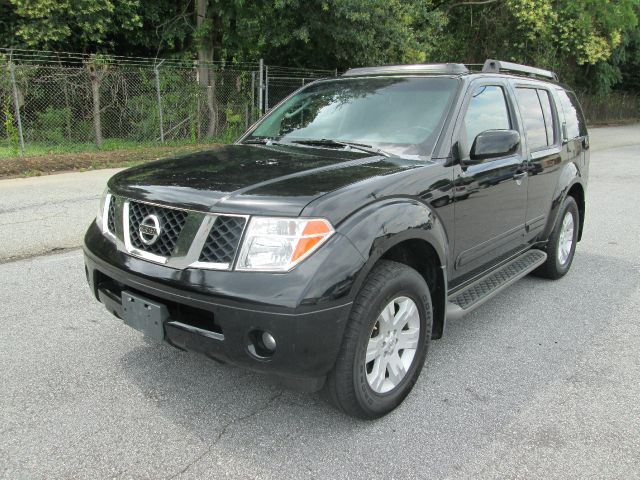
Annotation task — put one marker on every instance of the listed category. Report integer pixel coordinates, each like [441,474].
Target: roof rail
[446,68]
[497,66]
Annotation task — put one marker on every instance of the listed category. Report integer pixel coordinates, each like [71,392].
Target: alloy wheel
[565,240]
[392,345]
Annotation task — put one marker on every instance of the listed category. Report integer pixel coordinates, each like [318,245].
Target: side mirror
[493,144]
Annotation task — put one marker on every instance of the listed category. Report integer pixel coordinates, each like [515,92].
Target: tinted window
[582,123]
[487,111]
[400,115]
[576,126]
[533,118]
[549,120]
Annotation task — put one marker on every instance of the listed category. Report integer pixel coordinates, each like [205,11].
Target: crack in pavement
[32,206]
[224,430]
[53,251]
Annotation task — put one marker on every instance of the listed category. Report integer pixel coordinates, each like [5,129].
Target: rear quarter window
[573,117]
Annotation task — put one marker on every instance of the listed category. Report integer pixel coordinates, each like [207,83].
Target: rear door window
[532,117]
[549,119]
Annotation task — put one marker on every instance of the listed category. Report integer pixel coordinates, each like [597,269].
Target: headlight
[103,211]
[279,244]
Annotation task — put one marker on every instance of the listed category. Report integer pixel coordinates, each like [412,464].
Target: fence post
[266,89]
[96,74]
[16,103]
[253,93]
[159,97]
[261,87]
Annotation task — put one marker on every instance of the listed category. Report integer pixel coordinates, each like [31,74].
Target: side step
[474,295]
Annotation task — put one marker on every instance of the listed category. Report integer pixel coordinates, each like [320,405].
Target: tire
[348,385]
[559,256]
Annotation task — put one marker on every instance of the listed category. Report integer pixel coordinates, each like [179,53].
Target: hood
[251,179]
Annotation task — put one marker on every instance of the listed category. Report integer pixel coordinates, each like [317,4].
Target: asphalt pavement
[43,214]
[541,382]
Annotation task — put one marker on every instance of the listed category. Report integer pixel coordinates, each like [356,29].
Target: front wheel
[562,242]
[385,342]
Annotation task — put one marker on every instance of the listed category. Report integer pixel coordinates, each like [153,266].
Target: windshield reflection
[400,115]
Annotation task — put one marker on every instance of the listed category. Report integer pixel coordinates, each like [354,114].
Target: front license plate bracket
[144,315]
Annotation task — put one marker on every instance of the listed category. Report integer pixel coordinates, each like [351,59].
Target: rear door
[490,197]
[539,115]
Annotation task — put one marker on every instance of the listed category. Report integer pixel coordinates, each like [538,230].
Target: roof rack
[497,66]
[446,68]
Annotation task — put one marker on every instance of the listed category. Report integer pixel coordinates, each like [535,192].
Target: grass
[108,145]
[42,159]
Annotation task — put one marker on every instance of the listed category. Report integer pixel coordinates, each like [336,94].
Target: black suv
[330,243]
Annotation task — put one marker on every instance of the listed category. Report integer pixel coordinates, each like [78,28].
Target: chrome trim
[127,240]
[199,331]
[210,265]
[190,241]
[105,218]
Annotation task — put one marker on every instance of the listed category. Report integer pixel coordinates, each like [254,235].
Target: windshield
[401,116]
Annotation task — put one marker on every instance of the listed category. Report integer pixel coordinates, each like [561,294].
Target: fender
[377,227]
[569,176]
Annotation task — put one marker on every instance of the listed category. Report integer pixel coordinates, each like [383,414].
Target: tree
[76,25]
[339,33]
[577,38]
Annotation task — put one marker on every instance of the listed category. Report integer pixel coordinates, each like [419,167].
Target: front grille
[171,223]
[223,240]
[111,215]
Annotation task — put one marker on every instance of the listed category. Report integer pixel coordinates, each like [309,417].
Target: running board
[474,295]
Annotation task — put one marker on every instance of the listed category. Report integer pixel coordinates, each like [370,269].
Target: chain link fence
[64,102]
[52,102]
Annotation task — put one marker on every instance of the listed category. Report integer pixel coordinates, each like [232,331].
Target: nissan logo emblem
[149,229]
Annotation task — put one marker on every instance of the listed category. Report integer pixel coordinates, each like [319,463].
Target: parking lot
[541,382]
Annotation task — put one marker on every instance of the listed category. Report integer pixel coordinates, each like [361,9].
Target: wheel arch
[569,184]
[420,255]
[408,232]
[577,192]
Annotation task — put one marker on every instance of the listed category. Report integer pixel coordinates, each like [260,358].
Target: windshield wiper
[326,142]
[260,141]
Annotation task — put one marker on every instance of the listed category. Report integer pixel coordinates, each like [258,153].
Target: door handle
[519,176]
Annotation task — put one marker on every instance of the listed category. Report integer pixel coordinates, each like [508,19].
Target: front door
[490,197]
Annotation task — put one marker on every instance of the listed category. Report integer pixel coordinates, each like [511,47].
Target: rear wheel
[385,342]
[562,242]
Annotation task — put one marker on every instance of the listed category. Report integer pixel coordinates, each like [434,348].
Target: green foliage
[179,104]
[51,125]
[577,38]
[338,33]
[593,44]
[13,137]
[235,126]
[73,24]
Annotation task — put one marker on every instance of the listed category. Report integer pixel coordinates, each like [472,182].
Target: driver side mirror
[493,144]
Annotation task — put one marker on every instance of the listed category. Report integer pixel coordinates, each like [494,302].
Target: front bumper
[222,326]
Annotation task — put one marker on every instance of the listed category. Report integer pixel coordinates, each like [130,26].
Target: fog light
[261,345]
[268,341]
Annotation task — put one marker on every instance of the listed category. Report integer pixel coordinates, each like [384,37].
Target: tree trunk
[67,104]
[205,71]
[96,79]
